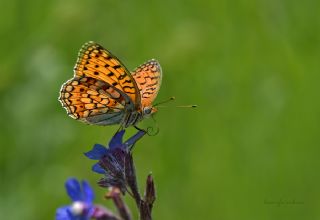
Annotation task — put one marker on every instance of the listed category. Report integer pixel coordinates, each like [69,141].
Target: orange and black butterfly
[104,92]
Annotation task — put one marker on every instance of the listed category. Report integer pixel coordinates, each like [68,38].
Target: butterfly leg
[120,128]
[150,131]
[140,129]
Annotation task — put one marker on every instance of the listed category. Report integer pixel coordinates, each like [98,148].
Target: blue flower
[116,161]
[82,197]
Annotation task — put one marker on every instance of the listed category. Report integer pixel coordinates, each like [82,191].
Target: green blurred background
[251,66]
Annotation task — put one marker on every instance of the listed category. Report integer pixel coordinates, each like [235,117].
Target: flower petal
[101,212]
[73,189]
[87,192]
[63,213]
[116,139]
[98,169]
[97,152]
[131,141]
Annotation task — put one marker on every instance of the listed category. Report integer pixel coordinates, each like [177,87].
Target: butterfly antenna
[179,106]
[186,106]
[171,99]
[165,101]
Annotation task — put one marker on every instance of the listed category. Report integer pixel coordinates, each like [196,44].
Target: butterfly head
[149,110]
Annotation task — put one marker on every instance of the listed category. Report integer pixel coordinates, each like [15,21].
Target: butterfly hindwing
[86,98]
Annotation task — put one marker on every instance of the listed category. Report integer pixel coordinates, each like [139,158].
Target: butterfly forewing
[148,77]
[96,62]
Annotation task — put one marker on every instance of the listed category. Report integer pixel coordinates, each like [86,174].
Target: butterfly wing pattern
[148,77]
[103,91]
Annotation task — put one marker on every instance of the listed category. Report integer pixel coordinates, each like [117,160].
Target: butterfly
[104,92]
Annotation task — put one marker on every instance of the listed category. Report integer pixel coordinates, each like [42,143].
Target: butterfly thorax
[132,118]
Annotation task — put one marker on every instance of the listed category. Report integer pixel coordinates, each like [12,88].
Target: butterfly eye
[147,110]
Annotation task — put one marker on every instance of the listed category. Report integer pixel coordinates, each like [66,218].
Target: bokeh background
[249,151]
